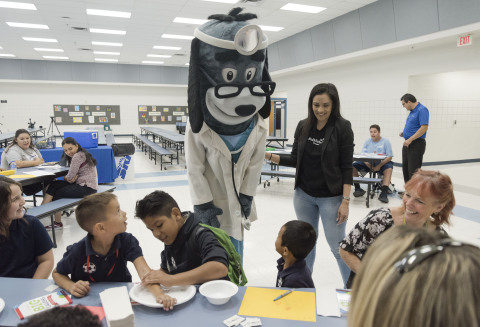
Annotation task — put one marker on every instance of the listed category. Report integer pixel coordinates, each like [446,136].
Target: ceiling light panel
[48,50]
[178,37]
[163,47]
[55,57]
[39,39]
[105,31]
[193,21]
[302,8]
[17,5]
[108,44]
[152,62]
[271,28]
[158,56]
[6,55]
[107,53]
[27,25]
[109,13]
[106,60]
[223,1]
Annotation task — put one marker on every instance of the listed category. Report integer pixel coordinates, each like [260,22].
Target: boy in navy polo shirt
[294,242]
[102,255]
[181,264]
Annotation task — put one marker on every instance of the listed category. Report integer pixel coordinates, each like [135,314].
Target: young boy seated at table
[181,265]
[294,242]
[102,255]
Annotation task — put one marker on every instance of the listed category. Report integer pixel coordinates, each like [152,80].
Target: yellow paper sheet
[297,305]
[22,176]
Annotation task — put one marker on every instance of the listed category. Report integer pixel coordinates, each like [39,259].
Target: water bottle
[13,166]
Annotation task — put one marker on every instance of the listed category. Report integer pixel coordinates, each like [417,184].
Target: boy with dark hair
[294,242]
[181,265]
[102,255]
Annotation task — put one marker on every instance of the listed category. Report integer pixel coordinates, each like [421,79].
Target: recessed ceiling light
[270,28]
[1,48]
[6,55]
[158,56]
[108,13]
[109,44]
[48,49]
[17,5]
[189,20]
[187,64]
[25,25]
[55,57]
[152,62]
[39,39]
[223,1]
[107,53]
[302,8]
[106,59]
[162,47]
[180,37]
[104,31]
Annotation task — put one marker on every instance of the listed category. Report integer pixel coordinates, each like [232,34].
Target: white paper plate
[2,304]
[143,296]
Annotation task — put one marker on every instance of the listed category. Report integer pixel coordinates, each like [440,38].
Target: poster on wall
[72,114]
[158,115]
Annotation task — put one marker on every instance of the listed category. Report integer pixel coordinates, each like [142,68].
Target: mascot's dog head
[228,76]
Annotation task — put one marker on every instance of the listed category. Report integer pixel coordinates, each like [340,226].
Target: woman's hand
[71,181]
[342,212]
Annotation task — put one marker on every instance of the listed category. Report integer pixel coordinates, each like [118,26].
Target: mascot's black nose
[245,110]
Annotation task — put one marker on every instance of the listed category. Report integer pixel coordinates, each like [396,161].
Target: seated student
[294,242]
[415,277]
[181,265]
[379,145]
[102,255]
[73,316]
[25,247]
[24,154]
[80,181]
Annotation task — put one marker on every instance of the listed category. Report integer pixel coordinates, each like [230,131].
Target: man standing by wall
[414,133]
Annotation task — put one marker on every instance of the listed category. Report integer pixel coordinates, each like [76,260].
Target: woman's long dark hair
[17,134]
[5,203]
[331,91]
[90,160]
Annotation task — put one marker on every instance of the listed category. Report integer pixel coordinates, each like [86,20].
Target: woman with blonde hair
[427,203]
[415,277]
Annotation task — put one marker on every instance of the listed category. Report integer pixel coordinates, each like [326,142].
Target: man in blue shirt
[414,133]
[379,145]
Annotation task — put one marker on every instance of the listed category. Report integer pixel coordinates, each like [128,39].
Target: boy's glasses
[414,257]
[230,90]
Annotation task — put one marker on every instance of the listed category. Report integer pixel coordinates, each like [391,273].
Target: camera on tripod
[30,124]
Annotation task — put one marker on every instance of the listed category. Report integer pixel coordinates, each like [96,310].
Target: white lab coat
[209,168]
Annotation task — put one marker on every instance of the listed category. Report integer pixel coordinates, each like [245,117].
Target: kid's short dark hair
[77,316]
[91,209]
[299,237]
[157,203]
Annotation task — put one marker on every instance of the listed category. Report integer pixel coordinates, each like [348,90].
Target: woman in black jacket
[322,154]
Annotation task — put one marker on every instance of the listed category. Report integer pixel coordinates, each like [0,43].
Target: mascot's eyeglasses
[414,257]
[231,90]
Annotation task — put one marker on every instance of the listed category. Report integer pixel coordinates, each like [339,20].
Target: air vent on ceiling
[79,28]
[85,49]
[179,54]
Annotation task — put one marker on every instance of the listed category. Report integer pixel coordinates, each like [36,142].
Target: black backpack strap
[191,246]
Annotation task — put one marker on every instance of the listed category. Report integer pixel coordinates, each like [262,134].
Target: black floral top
[366,231]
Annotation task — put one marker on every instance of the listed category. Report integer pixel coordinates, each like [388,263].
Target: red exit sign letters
[464,40]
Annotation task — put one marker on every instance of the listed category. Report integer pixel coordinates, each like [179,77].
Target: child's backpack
[235,269]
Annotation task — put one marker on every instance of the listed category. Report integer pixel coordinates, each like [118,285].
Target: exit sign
[464,40]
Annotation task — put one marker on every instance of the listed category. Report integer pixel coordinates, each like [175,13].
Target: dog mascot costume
[229,92]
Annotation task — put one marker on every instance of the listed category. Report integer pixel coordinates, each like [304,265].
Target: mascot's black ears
[195,113]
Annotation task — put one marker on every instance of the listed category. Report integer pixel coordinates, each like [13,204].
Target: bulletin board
[162,115]
[72,114]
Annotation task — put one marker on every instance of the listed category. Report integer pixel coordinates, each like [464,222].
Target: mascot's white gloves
[207,213]
[246,203]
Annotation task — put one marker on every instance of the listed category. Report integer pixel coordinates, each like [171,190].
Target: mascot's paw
[207,213]
[246,223]
[246,203]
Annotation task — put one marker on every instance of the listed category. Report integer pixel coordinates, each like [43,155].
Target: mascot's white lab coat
[209,168]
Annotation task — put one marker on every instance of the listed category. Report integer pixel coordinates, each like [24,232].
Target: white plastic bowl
[218,292]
